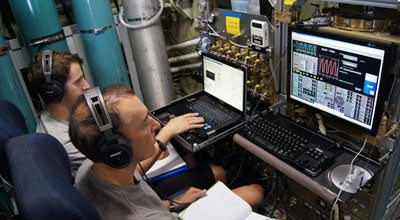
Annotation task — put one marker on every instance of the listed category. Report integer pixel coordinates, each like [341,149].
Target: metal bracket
[282,103]
[98,30]
[388,142]
[48,39]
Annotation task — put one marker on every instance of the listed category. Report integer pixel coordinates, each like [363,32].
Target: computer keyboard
[213,114]
[304,149]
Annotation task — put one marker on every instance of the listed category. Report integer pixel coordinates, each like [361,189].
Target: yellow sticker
[288,2]
[233,25]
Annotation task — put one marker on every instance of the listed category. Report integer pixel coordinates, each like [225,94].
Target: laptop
[222,103]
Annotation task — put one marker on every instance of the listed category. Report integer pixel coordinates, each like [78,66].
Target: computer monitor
[225,81]
[342,76]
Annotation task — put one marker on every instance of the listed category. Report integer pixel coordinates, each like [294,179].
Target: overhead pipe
[142,18]
[11,87]
[183,57]
[40,25]
[185,67]
[184,44]
[100,40]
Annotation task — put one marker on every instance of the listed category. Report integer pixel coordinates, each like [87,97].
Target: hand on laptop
[183,123]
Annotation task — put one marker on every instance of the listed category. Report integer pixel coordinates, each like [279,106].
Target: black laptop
[222,103]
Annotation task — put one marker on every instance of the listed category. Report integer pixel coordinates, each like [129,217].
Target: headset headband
[47,60]
[97,107]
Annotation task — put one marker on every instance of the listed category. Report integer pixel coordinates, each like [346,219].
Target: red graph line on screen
[329,66]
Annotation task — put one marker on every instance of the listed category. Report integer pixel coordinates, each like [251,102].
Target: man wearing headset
[58,78]
[117,134]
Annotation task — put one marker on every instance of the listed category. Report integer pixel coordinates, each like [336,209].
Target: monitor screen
[345,77]
[225,81]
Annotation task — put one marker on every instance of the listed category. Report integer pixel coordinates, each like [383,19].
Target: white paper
[169,163]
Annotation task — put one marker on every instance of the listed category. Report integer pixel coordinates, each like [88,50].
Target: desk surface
[320,185]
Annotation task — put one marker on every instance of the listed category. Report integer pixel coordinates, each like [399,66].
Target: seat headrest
[43,184]
[12,124]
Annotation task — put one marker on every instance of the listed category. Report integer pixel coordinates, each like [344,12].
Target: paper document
[169,166]
[220,203]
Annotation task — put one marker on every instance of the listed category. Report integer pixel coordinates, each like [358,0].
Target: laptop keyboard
[213,114]
[303,149]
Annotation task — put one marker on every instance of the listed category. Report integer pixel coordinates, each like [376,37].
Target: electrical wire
[218,35]
[273,186]
[200,42]
[273,73]
[255,107]
[347,176]
[239,170]
[274,69]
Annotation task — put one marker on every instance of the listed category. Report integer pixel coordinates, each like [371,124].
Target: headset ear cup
[117,152]
[52,92]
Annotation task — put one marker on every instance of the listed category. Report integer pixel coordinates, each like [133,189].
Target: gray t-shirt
[114,202]
[59,129]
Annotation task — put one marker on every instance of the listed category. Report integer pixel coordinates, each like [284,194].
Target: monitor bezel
[387,75]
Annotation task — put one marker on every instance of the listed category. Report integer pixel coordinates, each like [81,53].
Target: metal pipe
[11,88]
[148,21]
[149,52]
[100,39]
[185,67]
[183,57]
[183,44]
[40,26]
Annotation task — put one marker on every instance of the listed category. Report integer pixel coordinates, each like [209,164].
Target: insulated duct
[39,24]
[149,51]
[100,39]
[11,87]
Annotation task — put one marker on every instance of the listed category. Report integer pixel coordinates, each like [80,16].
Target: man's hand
[191,195]
[183,123]
[163,154]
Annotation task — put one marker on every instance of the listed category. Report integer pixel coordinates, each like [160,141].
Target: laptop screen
[225,81]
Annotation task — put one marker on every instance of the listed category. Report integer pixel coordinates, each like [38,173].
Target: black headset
[51,91]
[115,149]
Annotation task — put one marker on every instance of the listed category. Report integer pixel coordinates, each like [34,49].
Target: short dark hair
[83,130]
[61,63]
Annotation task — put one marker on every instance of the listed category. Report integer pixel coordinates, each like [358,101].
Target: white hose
[321,125]
[142,25]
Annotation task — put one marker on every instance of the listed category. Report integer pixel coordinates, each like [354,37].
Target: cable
[239,170]
[218,35]
[255,107]
[200,42]
[274,69]
[160,194]
[273,186]
[347,176]
[142,25]
[273,73]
